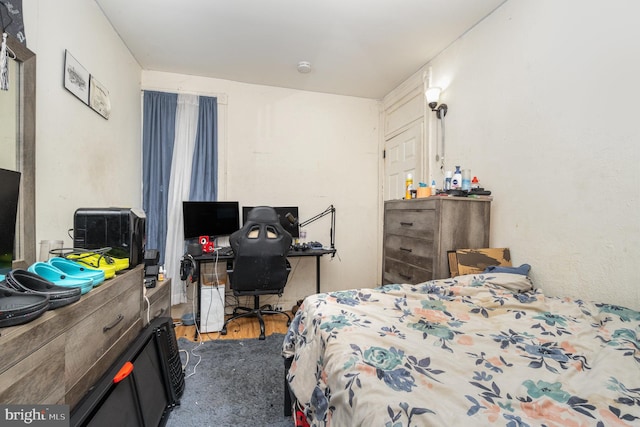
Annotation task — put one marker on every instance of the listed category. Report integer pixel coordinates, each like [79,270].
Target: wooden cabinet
[419,232]
[57,357]
[157,302]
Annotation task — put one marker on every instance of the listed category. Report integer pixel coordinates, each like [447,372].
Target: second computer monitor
[282,211]
[212,219]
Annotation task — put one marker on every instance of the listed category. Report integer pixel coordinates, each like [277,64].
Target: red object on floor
[301,420]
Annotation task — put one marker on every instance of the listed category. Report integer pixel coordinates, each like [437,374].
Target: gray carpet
[237,383]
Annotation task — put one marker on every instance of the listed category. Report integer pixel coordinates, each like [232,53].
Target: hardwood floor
[243,328]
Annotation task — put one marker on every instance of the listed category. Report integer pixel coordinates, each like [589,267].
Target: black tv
[212,219]
[284,213]
[9,192]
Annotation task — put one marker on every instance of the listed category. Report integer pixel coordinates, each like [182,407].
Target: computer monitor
[213,219]
[282,212]
[9,189]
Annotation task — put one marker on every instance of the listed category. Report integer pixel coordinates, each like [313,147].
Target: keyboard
[306,246]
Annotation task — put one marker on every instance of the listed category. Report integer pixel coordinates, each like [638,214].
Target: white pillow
[511,281]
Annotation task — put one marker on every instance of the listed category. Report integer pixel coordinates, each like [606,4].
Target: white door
[403,155]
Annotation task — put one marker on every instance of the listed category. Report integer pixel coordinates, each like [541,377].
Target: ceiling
[362,48]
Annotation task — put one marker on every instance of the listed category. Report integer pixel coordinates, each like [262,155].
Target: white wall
[526,115]
[543,108]
[82,160]
[289,147]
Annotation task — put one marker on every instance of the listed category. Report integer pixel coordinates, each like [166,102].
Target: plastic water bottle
[466,180]
[447,180]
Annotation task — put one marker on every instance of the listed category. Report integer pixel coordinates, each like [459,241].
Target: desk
[213,257]
[316,253]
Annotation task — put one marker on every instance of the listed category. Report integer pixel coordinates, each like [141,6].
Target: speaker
[207,244]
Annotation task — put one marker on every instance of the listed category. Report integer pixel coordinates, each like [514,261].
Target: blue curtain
[204,170]
[158,132]
[158,135]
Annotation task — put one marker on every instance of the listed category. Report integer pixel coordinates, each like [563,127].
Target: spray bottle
[408,186]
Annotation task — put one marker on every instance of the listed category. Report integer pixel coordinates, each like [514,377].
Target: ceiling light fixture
[433,96]
[304,67]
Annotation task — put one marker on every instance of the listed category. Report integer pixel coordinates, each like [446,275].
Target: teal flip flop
[75,269]
[60,278]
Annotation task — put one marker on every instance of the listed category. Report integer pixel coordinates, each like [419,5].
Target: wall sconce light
[433,96]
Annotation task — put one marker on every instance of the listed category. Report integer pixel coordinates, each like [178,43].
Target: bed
[484,349]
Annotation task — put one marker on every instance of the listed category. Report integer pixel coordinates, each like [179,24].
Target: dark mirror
[18,121]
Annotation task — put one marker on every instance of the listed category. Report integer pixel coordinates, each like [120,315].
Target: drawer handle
[113,325]
[404,276]
[406,224]
[406,249]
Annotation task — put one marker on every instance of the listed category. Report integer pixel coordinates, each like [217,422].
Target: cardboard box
[474,261]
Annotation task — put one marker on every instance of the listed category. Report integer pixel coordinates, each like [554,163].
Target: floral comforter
[470,351]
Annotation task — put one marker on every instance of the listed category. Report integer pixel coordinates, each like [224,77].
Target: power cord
[146,299]
[81,253]
[193,351]
[193,306]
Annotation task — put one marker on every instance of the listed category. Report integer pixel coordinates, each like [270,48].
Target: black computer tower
[121,229]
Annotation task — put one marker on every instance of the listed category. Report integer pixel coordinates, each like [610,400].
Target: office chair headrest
[262,214]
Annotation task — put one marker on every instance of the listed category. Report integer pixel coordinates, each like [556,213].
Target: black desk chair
[260,264]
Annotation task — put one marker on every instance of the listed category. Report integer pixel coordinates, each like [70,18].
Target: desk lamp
[330,210]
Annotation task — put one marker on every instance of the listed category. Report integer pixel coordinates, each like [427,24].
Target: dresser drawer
[18,341]
[96,333]
[398,272]
[97,370]
[57,357]
[418,252]
[36,379]
[412,223]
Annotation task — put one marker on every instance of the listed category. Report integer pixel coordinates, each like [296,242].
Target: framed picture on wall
[76,78]
[99,98]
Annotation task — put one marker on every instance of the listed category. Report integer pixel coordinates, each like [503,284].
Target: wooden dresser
[57,357]
[419,232]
